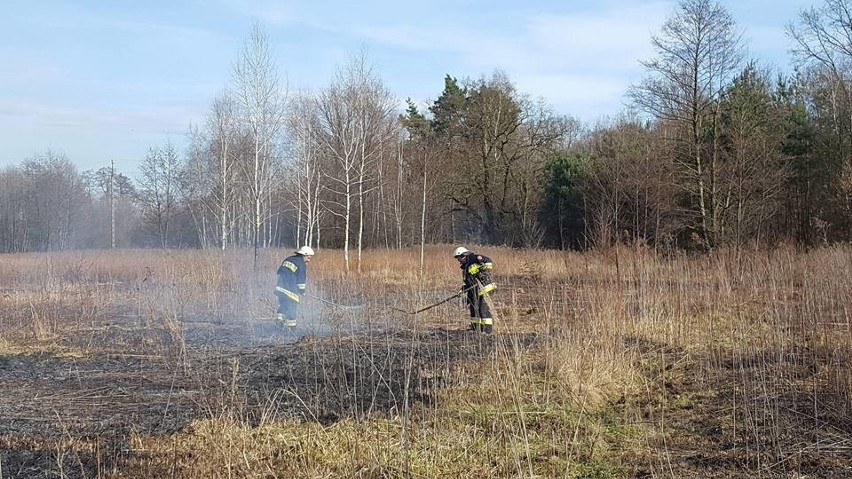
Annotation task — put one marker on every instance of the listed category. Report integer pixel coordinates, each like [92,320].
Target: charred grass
[620,363]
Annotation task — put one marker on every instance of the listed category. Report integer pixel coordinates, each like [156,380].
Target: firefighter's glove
[473,269]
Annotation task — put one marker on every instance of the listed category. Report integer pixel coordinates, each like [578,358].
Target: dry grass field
[616,364]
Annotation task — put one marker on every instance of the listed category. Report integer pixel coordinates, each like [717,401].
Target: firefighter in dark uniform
[476,269]
[292,277]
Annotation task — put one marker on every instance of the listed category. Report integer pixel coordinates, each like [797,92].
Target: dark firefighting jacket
[476,273]
[292,275]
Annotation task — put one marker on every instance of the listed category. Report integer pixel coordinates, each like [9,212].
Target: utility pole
[112,204]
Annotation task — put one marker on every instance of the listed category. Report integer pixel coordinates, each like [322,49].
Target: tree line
[713,150]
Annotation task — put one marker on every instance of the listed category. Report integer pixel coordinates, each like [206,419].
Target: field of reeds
[614,364]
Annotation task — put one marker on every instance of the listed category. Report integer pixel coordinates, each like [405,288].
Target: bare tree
[629,192]
[304,125]
[506,139]
[420,150]
[41,204]
[338,141]
[379,132]
[13,221]
[824,35]
[200,184]
[755,167]
[54,193]
[261,99]
[222,123]
[357,121]
[823,44]
[698,54]
[425,158]
[159,188]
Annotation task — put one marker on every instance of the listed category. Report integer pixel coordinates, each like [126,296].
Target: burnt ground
[105,383]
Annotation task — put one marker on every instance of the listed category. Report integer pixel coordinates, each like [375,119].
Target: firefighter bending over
[292,278]
[476,269]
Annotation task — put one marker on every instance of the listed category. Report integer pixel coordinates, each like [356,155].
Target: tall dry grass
[598,357]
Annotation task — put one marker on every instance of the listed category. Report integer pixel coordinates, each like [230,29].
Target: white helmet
[305,251]
[460,251]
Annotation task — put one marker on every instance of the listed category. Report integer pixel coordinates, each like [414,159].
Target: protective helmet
[305,251]
[460,251]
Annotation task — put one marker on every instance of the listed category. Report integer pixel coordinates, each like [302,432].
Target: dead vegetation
[611,364]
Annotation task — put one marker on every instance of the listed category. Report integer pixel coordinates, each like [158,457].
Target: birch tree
[222,124]
[304,126]
[356,121]
[422,152]
[261,98]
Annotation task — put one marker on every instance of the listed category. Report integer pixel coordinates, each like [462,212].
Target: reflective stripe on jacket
[295,297]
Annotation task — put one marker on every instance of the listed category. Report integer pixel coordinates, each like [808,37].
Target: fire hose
[338,305]
[448,298]
[425,308]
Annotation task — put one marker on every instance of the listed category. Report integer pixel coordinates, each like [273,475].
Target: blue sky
[103,80]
